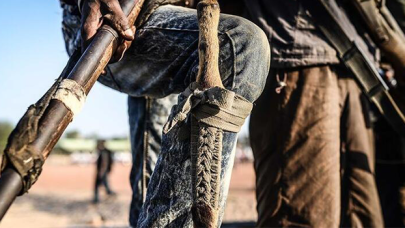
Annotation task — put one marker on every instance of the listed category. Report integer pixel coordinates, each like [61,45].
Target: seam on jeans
[234,59]
[145,146]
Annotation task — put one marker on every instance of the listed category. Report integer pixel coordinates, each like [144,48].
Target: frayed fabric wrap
[206,158]
[19,153]
[72,95]
[216,107]
[213,111]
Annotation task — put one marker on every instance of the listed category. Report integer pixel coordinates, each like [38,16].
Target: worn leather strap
[328,17]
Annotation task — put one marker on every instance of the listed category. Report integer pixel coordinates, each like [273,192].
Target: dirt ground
[62,198]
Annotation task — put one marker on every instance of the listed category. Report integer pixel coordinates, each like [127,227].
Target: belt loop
[281,81]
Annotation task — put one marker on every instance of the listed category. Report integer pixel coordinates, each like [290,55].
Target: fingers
[91,17]
[118,19]
[119,53]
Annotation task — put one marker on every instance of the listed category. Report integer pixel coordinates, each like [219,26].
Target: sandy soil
[62,198]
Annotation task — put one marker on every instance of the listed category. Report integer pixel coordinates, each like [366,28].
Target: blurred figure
[104,165]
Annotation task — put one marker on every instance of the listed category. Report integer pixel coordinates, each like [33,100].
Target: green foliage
[5,130]
[73,134]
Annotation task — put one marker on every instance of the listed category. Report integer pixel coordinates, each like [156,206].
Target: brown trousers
[298,137]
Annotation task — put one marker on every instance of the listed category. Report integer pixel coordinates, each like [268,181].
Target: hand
[95,12]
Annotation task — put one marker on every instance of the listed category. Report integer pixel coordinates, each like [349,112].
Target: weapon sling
[352,54]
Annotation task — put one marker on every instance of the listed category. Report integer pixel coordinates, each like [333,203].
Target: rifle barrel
[56,116]
[10,186]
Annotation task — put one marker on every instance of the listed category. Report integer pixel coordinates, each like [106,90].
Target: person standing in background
[104,164]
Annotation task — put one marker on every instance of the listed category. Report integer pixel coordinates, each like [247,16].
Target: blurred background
[32,55]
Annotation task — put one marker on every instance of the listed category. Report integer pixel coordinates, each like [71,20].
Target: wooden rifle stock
[85,71]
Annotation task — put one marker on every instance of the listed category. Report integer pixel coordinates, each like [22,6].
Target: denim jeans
[147,117]
[162,60]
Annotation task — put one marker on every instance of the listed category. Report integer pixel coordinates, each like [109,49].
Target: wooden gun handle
[208,19]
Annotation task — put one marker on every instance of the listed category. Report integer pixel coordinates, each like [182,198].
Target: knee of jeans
[252,53]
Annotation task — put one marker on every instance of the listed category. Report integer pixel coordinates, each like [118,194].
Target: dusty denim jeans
[163,60]
[147,117]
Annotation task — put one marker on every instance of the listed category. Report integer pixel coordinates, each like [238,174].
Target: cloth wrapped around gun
[40,128]
[19,153]
[213,109]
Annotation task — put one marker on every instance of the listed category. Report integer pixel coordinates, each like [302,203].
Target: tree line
[5,130]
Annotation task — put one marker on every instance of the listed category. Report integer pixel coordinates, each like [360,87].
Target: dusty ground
[62,198]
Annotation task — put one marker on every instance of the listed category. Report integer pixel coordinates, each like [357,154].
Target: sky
[32,55]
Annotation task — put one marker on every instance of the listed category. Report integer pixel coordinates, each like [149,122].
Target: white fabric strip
[72,95]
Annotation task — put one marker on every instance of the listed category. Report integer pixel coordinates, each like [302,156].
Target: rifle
[384,30]
[43,124]
[330,19]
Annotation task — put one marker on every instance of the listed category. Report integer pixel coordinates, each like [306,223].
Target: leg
[107,184]
[96,198]
[164,60]
[295,141]
[360,201]
[169,40]
[146,119]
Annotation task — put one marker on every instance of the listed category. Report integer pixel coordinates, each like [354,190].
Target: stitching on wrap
[206,151]
[213,111]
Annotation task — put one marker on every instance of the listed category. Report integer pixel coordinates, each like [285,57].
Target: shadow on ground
[79,211]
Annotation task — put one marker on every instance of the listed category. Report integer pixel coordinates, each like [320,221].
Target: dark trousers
[390,169]
[298,137]
[101,180]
